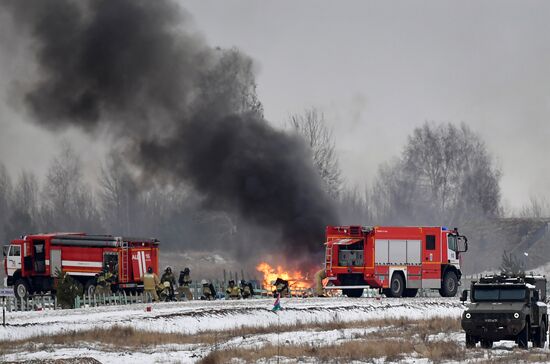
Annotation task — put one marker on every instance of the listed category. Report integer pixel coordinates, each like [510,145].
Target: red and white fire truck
[32,263]
[397,260]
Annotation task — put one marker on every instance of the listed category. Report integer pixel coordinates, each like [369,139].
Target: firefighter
[168,276]
[104,281]
[281,288]
[319,276]
[208,292]
[184,282]
[150,283]
[246,289]
[233,292]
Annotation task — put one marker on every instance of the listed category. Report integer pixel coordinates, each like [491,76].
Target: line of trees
[443,176]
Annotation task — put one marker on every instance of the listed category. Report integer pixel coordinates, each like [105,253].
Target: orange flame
[296,280]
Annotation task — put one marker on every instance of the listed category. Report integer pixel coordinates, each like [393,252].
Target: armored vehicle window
[512,294]
[499,294]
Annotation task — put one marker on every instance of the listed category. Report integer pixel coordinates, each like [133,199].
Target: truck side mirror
[462,244]
[464,296]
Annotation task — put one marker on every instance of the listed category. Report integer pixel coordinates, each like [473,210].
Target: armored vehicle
[506,308]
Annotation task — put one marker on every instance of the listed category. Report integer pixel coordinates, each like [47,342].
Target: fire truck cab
[33,262]
[397,260]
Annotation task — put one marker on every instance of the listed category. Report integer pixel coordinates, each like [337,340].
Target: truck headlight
[516,315]
[468,315]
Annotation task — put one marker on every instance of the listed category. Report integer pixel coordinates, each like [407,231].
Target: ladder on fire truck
[125,269]
[328,256]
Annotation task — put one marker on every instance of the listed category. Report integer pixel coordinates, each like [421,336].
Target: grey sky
[377,70]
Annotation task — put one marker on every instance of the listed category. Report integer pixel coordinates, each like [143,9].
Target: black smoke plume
[187,112]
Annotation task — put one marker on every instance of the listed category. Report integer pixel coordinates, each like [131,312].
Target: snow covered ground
[196,316]
[217,316]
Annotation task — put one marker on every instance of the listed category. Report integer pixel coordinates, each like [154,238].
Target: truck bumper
[494,331]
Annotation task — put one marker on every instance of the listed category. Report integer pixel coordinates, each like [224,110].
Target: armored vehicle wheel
[410,292]
[486,344]
[470,341]
[21,288]
[353,292]
[449,286]
[540,336]
[397,285]
[523,337]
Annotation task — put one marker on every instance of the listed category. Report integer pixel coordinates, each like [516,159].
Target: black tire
[410,292]
[355,292]
[523,337]
[539,340]
[486,344]
[90,287]
[21,289]
[449,285]
[470,341]
[397,285]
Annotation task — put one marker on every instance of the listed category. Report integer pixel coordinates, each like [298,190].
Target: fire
[296,279]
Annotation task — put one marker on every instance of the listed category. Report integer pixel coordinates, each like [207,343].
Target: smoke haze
[186,112]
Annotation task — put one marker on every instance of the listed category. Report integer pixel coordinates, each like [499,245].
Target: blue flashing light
[444,228]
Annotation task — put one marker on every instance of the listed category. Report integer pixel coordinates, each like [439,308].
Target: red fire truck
[397,260]
[32,262]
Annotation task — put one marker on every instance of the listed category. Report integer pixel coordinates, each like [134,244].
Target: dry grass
[127,337]
[393,339]
[345,352]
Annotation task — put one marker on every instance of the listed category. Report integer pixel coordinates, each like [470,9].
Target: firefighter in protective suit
[103,283]
[233,292]
[208,292]
[319,289]
[185,281]
[246,289]
[168,276]
[281,288]
[150,283]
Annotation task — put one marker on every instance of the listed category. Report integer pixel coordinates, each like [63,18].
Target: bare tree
[119,195]
[229,85]
[537,207]
[24,207]
[312,126]
[67,201]
[511,265]
[444,173]
[5,198]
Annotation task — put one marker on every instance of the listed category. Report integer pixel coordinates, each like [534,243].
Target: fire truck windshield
[499,294]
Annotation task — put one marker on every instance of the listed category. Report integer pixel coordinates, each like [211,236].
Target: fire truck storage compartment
[351,255]
[397,252]
[55,262]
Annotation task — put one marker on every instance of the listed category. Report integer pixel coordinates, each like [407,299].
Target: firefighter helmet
[150,270]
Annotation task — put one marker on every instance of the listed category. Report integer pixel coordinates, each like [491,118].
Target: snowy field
[201,318]
[196,316]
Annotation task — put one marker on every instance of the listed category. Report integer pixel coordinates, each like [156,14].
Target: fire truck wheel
[21,288]
[89,287]
[397,285]
[449,286]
